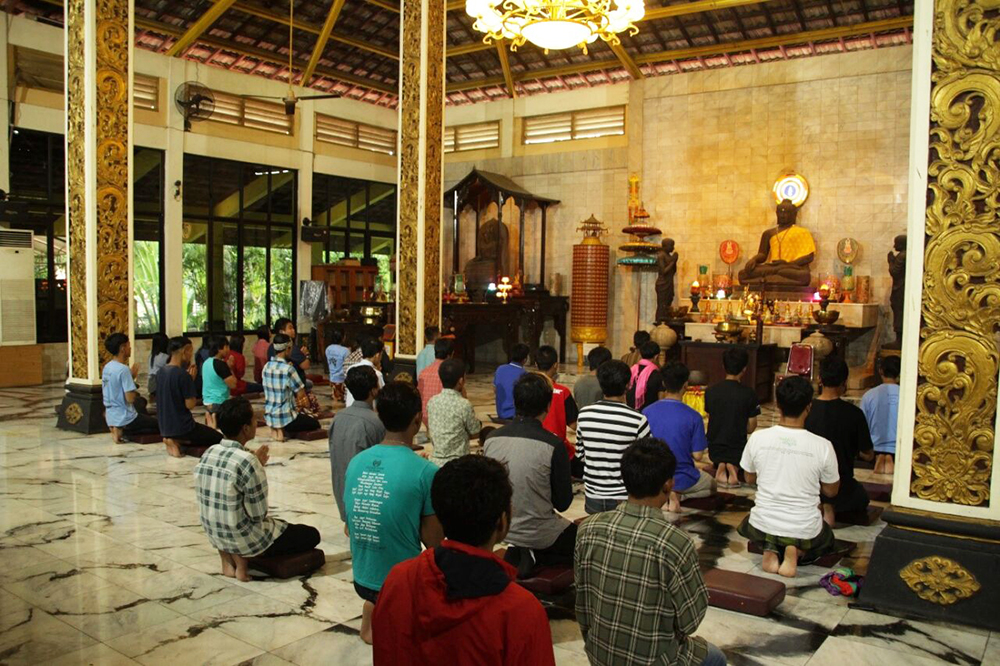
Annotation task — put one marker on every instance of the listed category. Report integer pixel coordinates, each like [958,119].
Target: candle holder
[695,297]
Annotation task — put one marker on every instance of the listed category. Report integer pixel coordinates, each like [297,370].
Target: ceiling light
[555,24]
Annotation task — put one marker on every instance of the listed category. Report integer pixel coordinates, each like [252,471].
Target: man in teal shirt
[387,497]
[426,355]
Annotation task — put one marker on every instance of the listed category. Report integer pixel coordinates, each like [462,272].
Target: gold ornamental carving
[112,170]
[939,580]
[73,413]
[409,177]
[76,199]
[433,168]
[960,307]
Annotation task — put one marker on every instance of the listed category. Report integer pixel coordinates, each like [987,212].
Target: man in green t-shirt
[387,497]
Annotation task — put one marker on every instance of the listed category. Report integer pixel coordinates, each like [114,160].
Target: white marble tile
[109,612]
[924,639]
[95,655]
[992,655]
[759,638]
[262,621]
[184,641]
[186,591]
[325,597]
[566,657]
[29,635]
[48,584]
[337,645]
[839,651]
[17,555]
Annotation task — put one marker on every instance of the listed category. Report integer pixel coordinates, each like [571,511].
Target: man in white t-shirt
[790,466]
[371,352]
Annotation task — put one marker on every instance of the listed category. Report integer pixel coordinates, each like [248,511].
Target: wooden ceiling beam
[265,55]
[505,65]
[626,61]
[825,34]
[324,36]
[385,4]
[196,29]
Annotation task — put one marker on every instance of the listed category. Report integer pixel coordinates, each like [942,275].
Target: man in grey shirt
[538,465]
[355,428]
[587,390]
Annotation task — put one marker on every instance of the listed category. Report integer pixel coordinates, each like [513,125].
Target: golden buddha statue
[785,252]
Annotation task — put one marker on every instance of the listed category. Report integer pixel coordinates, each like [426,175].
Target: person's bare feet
[674,505]
[366,622]
[278,434]
[879,464]
[241,569]
[734,478]
[791,562]
[228,564]
[829,515]
[890,466]
[720,474]
[173,448]
[770,563]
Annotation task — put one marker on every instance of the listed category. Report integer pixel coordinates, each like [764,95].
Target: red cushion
[309,436]
[145,439]
[548,580]
[743,593]
[878,492]
[289,566]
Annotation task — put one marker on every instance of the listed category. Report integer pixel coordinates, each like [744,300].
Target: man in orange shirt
[429,382]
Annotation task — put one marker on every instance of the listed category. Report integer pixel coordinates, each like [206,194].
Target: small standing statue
[897,270]
[666,265]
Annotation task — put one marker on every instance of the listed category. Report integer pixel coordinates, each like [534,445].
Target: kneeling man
[792,467]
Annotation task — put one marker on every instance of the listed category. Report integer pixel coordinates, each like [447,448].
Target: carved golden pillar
[940,554]
[98,151]
[421,132]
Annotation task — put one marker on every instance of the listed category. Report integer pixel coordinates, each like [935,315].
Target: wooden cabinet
[346,284]
[707,357]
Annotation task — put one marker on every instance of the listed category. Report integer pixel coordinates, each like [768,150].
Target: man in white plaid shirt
[232,497]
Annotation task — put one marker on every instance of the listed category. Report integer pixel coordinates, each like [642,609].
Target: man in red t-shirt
[429,382]
[458,603]
[563,410]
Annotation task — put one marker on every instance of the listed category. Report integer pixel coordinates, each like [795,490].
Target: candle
[695,288]
[824,291]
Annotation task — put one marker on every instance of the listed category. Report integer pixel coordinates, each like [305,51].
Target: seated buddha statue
[785,252]
[490,262]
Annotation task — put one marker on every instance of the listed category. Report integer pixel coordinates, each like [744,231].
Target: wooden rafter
[826,34]
[320,45]
[626,60]
[198,28]
[505,65]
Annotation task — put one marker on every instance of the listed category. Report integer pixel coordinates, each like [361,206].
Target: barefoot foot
[791,562]
[228,564]
[173,448]
[770,563]
[241,569]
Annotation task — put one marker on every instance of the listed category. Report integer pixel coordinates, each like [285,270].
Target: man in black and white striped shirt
[603,431]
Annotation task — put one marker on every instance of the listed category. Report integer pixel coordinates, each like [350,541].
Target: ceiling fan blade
[329,96]
[264,96]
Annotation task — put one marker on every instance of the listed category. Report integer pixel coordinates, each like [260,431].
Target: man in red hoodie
[458,603]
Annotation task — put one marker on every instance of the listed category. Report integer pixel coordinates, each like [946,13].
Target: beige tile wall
[712,145]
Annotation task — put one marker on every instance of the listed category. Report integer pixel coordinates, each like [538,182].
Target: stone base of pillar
[403,369]
[82,410]
[932,566]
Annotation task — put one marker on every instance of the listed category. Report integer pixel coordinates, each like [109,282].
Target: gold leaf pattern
[958,359]
[76,191]
[409,177]
[434,126]
[939,580]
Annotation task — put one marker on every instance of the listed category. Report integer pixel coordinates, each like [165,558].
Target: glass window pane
[282,272]
[225,279]
[255,279]
[357,246]
[146,278]
[382,211]
[196,186]
[382,251]
[283,193]
[195,275]
[226,178]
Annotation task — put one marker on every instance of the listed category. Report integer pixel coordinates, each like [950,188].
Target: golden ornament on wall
[958,361]
[939,580]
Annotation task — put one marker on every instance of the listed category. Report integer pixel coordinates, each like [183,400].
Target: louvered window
[472,137]
[254,113]
[348,133]
[146,92]
[585,124]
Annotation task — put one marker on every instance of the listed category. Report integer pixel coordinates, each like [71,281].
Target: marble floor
[104,562]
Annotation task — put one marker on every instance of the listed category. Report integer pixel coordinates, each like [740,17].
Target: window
[249,112]
[361,215]
[239,244]
[146,92]
[472,137]
[585,124]
[355,135]
[38,181]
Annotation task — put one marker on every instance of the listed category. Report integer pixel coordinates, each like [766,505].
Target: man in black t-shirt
[732,415]
[175,396]
[846,427]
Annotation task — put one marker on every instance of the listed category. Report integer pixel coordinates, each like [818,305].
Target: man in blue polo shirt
[505,378]
[683,429]
[121,395]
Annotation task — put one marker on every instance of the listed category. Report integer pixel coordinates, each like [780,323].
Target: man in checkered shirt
[639,592]
[282,387]
[232,497]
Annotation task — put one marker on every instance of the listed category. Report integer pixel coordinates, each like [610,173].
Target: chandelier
[555,24]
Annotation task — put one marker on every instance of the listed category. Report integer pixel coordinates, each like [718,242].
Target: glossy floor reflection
[104,562]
